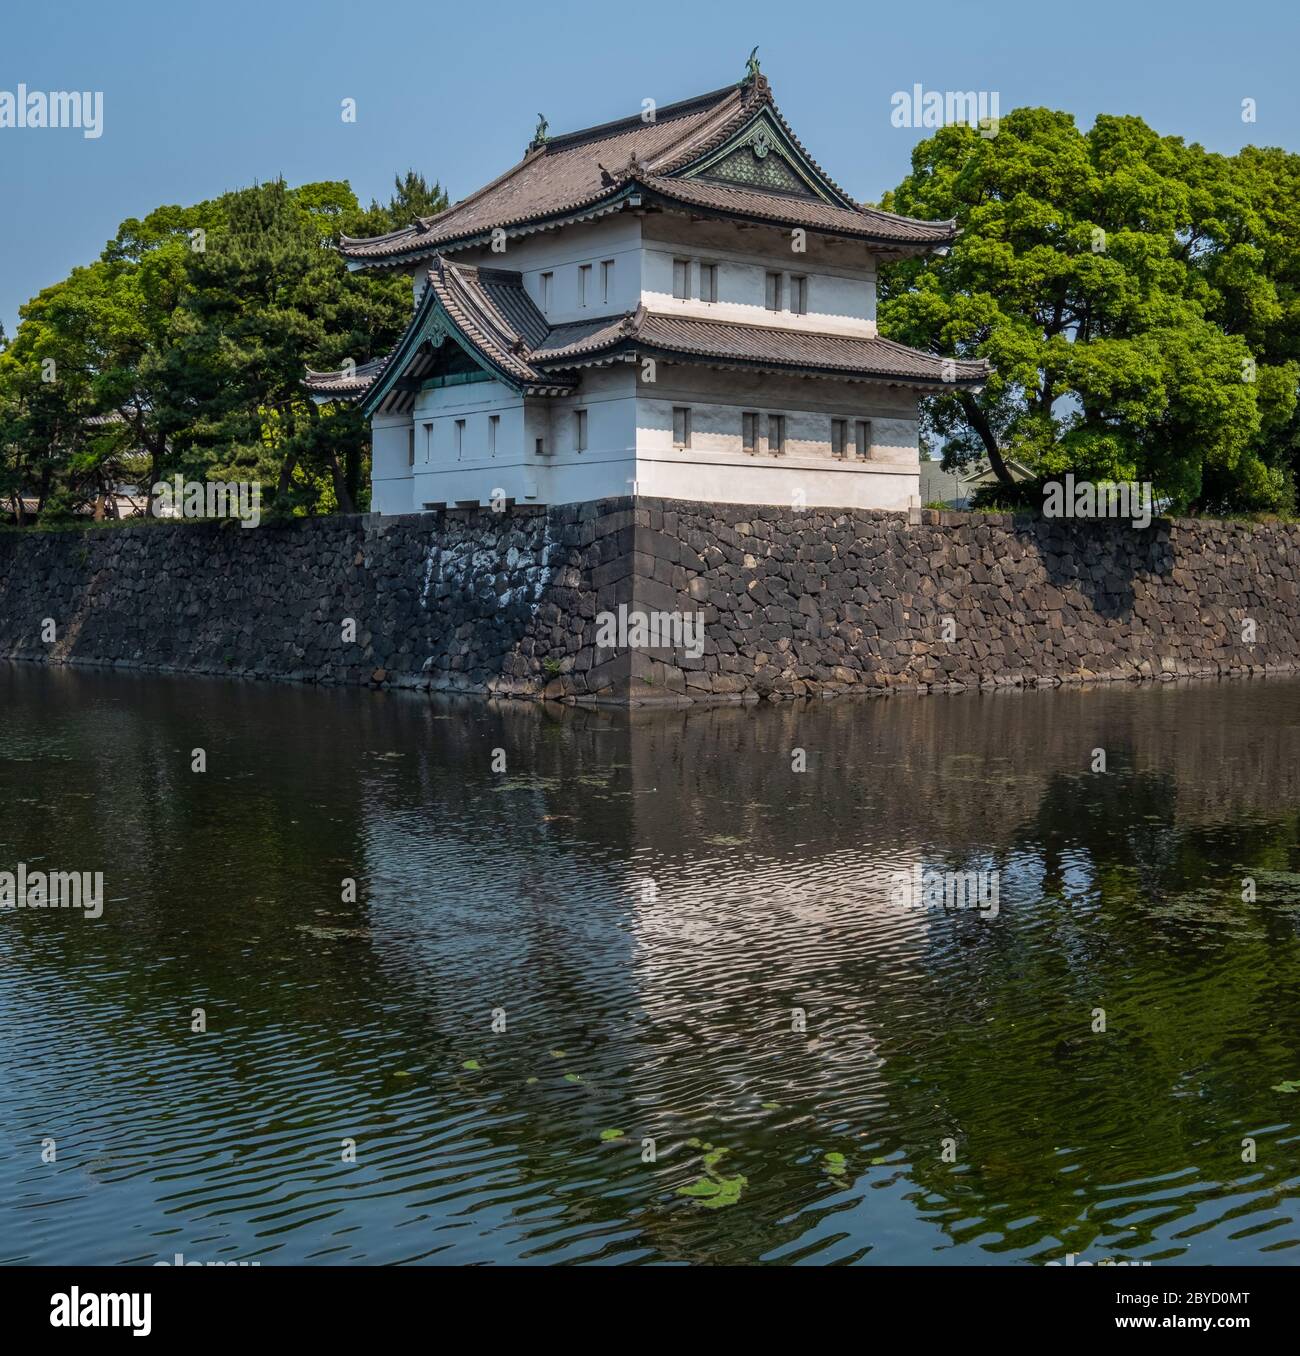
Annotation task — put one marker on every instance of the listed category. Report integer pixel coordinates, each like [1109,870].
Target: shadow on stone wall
[791,603]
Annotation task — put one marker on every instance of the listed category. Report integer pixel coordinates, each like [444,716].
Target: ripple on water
[688,944]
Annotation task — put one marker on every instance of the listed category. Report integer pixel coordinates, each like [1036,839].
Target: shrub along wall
[792,603]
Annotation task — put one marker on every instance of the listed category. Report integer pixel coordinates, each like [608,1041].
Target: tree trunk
[341,491]
[286,479]
[352,473]
[975,417]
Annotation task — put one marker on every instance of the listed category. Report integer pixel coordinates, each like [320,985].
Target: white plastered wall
[629,421]
[716,466]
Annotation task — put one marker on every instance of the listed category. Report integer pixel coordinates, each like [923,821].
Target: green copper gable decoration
[762,155]
[753,167]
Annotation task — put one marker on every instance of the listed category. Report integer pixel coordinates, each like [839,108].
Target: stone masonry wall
[467,601]
[793,603]
[827,601]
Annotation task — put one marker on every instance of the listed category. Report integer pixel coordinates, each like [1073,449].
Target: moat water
[692,948]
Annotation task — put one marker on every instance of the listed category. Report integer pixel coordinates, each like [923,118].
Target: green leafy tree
[1247,244]
[47,393]
[183,346]
[413,197]
[1091,270]
[266,298]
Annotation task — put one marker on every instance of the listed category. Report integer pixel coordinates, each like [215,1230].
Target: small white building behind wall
[682,307]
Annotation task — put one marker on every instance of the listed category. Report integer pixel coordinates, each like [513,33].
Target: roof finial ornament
[751,67]
[541,137]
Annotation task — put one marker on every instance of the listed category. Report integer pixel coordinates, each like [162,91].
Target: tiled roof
[489,310]
[493,314]
[763,347]
[867,222]
[492,310]
[583,336]
[563,173]
[345,384]
[593,169]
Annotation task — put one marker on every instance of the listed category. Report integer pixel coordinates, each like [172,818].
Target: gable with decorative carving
[758,166]
[762,156]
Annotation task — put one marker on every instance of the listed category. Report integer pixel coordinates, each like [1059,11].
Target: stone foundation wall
[826,600]
[792,603]
[458,601]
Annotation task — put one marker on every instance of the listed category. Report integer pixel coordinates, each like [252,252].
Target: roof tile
[586,169]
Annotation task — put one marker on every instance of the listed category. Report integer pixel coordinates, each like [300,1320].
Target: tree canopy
[182,349]
[1138,297]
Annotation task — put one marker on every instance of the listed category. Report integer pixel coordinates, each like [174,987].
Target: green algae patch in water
[713,1190]
[608,1135]
[1291,1085]
[522,783]
[471,1065]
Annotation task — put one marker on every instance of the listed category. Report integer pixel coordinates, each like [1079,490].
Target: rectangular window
[494,422]
[460,439]
[580,430]
[584,284]
[776,434]
[799,296]
[773,291]
[428,442]
[839,437]
[862,438]
[681,279]
[410,446]
[606,279]
[749,431]
[708,282]
[681,426]
[546,280]
[539,446]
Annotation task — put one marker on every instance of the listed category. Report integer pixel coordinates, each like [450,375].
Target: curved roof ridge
[425,224]
[345,384]
[481,306]
[807,155]
[939,357]
[665,113]
[594,169]
[675,157]
[745,200]
[864,357]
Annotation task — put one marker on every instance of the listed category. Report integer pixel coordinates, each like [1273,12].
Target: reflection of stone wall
[968,773]
[793,603]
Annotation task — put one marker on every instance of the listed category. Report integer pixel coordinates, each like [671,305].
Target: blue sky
[202,98]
